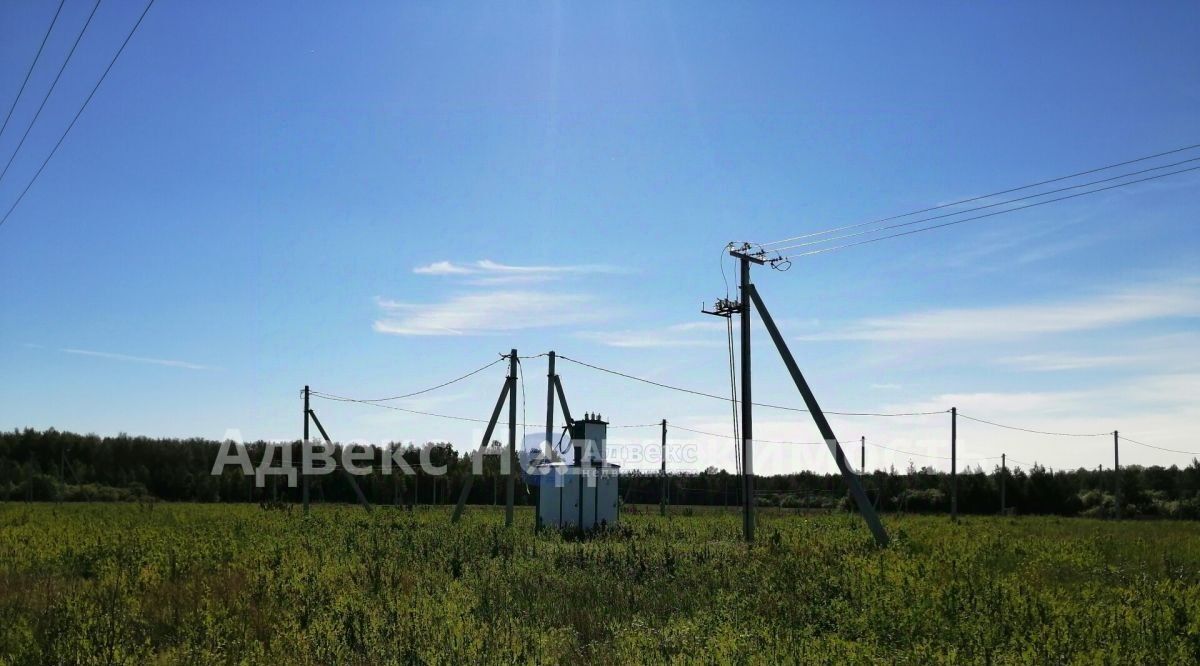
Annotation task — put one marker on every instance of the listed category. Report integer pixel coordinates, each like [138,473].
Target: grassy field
[112,583]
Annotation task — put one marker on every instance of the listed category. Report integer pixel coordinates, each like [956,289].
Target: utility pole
[303,453]
[662,501]
[511,482]
[954,463]
[1117,471]
[862,453]
[549,406]
[549,445]
[747,412]
[751,298]
[1003,480]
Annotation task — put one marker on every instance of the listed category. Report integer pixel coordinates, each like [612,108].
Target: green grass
[110,583]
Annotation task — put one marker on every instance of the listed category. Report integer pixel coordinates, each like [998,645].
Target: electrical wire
[37,114]
[1036,432]
[756,441]
[523,423]
[431,388]
[992,214]
[326,396]
[982,197]
[1160,448]
[733,398]
[909,453]
[78,113]
[32,65]
[725,399]
[524,416]
[984,207]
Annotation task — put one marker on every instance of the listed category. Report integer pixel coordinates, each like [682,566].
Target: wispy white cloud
[137,359]
[1176,299]
[486,271]
[1053,362]
[443,268]
[488,312]
[691,334]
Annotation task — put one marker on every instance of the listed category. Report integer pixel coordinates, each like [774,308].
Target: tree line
[50,465]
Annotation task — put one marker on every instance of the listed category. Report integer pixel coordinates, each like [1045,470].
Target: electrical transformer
[581,490]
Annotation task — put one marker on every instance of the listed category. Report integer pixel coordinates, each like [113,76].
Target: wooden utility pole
[303,453]
[747,412]
[511,482]
[953,463]
[549,407]
[749,298]
[862,463]
[1117,471]
[662,498]
[548,446]
[1003,479]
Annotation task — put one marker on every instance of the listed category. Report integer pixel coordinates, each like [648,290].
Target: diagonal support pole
[810,400]
[487,437]
[562,400]
[362,499]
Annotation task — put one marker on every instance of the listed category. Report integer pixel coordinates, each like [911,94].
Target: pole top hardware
[724,307]
[760,256]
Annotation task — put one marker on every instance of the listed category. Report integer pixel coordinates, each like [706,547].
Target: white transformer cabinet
[581,492]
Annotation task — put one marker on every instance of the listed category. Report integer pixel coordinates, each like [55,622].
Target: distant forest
[59,466]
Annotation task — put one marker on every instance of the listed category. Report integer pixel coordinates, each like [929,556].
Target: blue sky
[374,198]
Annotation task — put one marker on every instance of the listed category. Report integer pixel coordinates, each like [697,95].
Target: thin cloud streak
[493,269]
[690,334]
[1180,298]
[1058,362]
[488,312]
[137,359]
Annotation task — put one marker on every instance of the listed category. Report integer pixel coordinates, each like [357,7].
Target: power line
[1160,448]
[78,113]
[910,453]
[524,416]
[999,212]
[756,441]
[37,114]
[431,388]
[325,396]
[927,455]
[468,419]
[733,396]
[984,207]
[1036,432]
[725,399]
[32,65]
[981,197]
